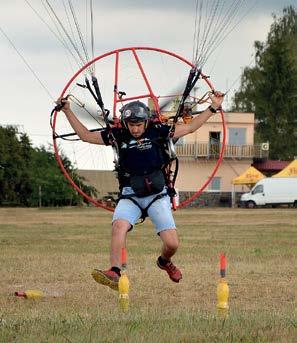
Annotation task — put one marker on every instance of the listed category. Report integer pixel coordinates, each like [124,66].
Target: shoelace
[171,267]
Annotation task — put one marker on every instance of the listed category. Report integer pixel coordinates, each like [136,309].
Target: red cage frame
[117,99]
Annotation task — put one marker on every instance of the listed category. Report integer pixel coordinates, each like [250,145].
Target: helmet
[134,112]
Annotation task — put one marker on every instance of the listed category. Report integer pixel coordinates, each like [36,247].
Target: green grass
[55,250]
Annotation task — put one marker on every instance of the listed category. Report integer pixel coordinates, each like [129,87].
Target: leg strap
[144,211]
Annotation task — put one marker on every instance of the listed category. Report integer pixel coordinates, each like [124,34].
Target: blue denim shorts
[159,212]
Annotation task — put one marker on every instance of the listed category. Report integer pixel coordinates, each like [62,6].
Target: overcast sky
[166,24]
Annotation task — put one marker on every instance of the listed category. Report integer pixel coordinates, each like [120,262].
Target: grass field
[54,250]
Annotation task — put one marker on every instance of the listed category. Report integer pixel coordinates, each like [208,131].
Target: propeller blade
[166,100]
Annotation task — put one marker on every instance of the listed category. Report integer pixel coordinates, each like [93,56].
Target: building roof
[271,165]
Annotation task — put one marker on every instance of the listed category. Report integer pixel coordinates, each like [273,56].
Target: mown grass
[54,250]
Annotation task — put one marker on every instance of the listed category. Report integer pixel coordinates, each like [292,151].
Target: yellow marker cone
[124,284]
[222,294]
[124,302]
[222,289]
[30,294]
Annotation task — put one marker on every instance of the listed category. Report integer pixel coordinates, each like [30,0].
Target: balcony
[207,150]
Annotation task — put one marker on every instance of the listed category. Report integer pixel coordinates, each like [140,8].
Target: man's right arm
[83,133]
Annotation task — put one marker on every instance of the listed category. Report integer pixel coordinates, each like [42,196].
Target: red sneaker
[106,277]
[173,272]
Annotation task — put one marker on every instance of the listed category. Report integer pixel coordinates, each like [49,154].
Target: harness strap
[144,213]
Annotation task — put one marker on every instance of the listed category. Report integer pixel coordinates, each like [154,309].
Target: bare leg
[170,243]
[110,277]
[120,228]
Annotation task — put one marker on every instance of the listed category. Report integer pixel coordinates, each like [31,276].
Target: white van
[271,191]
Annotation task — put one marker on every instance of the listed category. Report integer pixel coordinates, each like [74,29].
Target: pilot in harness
[143,163]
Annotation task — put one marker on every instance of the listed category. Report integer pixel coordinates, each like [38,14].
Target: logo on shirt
[141,144]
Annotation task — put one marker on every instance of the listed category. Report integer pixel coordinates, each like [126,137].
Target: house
[199,152]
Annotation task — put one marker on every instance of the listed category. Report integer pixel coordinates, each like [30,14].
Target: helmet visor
[135,114]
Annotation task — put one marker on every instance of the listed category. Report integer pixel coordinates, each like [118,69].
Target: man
[142,184]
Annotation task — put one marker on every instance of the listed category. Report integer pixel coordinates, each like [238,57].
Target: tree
[12,166]
[270,87]
[28,175]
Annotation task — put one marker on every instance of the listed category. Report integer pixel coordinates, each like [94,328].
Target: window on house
[237,136]
[215,184]
[215,137]
[214,143]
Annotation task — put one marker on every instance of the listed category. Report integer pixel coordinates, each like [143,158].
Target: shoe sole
[163,268]
[101,278]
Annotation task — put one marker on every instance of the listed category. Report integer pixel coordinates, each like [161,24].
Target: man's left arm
[184,129]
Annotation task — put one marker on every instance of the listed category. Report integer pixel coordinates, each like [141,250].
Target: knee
[172,244]
[120,227]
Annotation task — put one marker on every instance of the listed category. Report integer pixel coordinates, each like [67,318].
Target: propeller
[176,92]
